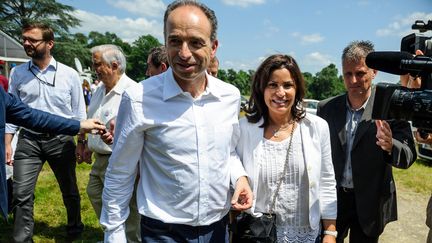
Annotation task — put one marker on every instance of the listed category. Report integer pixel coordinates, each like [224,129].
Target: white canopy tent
[11,51]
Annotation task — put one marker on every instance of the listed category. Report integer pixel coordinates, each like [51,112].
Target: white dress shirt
[186,149]
[104,106]
[56,89]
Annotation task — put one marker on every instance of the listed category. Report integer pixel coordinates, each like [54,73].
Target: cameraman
[415,82]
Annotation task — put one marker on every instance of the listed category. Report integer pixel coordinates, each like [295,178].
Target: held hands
[384,135]
[93,126]
[108,135]
[242,197]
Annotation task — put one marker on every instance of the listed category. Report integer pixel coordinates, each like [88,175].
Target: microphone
[418,64]
[387,61]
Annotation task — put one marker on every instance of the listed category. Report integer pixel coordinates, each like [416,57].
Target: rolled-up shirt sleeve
[236,166]
[122,170]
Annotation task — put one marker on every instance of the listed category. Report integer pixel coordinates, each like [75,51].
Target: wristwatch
[331,232]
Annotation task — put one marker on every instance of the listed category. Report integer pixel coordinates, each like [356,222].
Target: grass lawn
[50,214]
[418,177]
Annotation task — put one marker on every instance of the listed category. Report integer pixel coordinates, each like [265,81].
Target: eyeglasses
[31,40]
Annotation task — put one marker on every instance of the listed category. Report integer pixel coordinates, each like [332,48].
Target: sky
[314,32]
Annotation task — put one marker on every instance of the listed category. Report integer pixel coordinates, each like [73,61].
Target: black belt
[32,135]
[346,189]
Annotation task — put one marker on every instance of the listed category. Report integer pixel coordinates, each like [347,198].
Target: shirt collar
[362,108]
[52,64]
[120,87]
[172,89]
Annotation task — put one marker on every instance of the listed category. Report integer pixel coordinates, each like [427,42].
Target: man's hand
[108,136]
[427,140]
[384,135]
[243,196]
[79,152]
[93,126]
[87,156]
[8,148]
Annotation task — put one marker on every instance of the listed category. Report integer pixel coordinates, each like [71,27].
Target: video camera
[396,102]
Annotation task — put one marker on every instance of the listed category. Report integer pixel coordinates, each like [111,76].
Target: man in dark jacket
[12,110]
[364,151]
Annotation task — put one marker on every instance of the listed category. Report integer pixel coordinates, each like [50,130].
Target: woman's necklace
[276,132]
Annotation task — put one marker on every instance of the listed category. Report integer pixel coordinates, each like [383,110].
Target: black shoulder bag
[249,229]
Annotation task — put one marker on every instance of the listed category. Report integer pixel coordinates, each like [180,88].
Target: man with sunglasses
[50,86]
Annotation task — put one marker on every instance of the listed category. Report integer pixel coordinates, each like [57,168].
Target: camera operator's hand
[415,82]
[384,135]
[410,81]
[427,140]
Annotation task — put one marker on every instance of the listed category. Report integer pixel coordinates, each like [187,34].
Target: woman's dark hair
[257,108]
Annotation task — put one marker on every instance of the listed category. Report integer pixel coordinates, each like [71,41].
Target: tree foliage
[138,56]
[326,83]
[15,13]
[67,47]
[241,79]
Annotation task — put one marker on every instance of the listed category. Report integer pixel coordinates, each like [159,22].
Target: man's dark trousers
[32,152]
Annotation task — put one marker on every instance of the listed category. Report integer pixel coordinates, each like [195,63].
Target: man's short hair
[207,11]
[357,50]
[47,32]
[158,55]
[214,61]
[111,53]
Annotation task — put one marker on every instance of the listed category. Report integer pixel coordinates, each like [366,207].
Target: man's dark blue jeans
[153,230]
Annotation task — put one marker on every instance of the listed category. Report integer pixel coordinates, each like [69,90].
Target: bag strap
[283,172]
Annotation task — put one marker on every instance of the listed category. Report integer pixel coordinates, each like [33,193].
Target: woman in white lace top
[280,144]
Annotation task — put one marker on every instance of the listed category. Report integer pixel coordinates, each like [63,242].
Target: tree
[67,47]
[15,13]
[308,77]
[138,56]
[96,38]
[240,79]
[326,83]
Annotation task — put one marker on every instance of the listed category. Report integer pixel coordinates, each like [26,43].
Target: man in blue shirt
[45,84]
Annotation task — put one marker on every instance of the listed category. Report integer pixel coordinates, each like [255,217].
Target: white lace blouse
[292,201]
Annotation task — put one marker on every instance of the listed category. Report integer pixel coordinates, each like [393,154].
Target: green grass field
[50,214]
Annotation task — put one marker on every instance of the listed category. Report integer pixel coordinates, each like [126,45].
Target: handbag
[246,228]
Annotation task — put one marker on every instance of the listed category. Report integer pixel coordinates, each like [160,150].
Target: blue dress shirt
[56,89]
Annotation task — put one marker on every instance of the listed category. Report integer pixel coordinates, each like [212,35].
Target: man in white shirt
[157,62]
[47,85]
[182,127]
[109,64]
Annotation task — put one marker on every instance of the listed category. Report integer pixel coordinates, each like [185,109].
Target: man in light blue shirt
[178,131]
[47,85]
